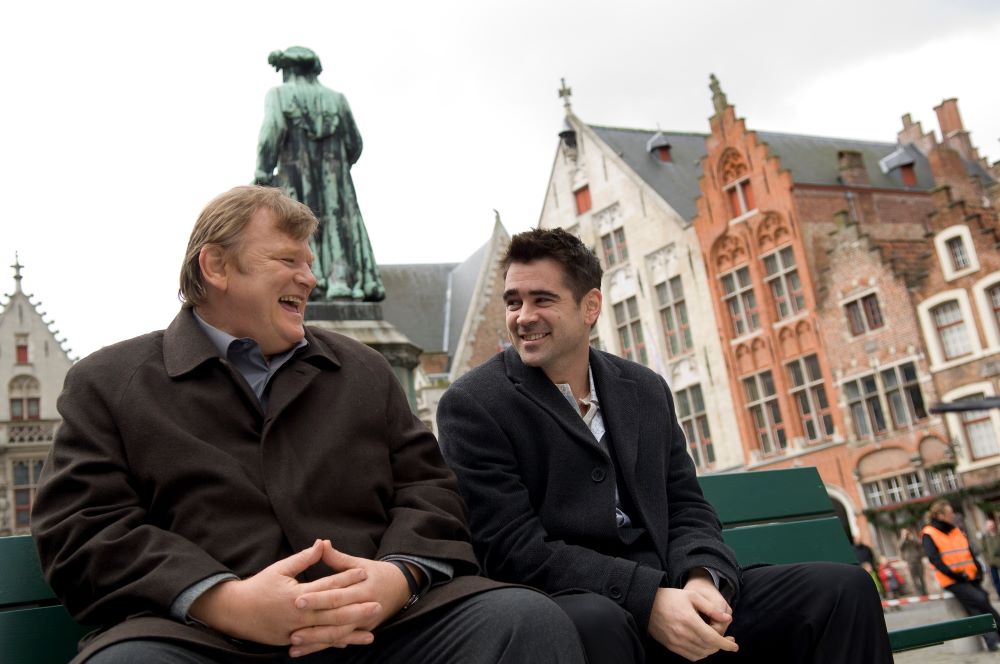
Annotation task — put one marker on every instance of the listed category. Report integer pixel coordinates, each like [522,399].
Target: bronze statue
[307,145]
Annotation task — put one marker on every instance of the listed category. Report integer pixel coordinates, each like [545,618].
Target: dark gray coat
[541,492]
[166,471]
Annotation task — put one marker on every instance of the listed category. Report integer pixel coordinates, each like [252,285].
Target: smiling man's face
[267,286]
[548,327]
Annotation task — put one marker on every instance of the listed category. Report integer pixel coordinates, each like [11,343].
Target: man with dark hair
[579,483]
[240,487]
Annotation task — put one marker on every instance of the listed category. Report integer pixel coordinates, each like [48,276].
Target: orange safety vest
[954,550]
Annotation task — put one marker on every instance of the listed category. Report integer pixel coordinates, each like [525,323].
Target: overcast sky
[121,120]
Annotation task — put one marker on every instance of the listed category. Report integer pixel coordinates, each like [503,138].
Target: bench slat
[929,635]
[21,580]
[45,635]
[791,542]
[766,495]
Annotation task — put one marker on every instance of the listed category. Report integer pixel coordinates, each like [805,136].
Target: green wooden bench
[34,627]
[782,516]
[785,516]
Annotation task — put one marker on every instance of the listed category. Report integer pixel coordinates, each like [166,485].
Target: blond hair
[223,222]
[937,508]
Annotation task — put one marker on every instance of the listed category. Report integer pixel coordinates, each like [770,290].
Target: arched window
[25,401]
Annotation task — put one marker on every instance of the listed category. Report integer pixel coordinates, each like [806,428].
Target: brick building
[813,259]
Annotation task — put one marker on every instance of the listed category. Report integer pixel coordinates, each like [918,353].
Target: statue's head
[297,59]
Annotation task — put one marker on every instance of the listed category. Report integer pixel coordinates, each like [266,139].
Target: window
[691,415]
[956,251]
[614,248]
[630,331]
[582,199]
[864,315]
[993,295]
[810,394]
[25,473]
[783,279]
[909,175]
[741,198]
[951,329]
[898,489]
[906,403]
[865,407]
[740,301]
[23,392]
[942,481]
[762,402]
[663,152]
[21,348]
[897,388]
[979,433]
[673,314]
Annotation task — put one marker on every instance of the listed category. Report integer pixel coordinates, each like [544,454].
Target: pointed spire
[718,96]
[17,273]
[565,93]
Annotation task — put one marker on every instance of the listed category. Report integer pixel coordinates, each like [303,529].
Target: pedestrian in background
[991,552]
[956,568]
[913,553]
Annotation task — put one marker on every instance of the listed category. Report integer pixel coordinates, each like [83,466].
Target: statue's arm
[272,134]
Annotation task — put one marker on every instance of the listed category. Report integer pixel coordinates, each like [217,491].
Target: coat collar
[186,346]
[616,394]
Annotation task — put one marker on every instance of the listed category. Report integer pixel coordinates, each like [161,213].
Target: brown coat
[166,471]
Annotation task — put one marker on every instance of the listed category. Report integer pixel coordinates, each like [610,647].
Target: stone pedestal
[362,321]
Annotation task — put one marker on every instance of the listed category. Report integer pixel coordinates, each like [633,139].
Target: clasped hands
[338,610]
[692,621]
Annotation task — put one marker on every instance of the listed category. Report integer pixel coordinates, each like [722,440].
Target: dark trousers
[508,625]
[995,576]
[819,613]
[976,601]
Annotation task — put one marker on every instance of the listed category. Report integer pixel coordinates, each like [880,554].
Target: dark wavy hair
[581,269]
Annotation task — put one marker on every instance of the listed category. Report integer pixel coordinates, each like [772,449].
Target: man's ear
[213,264]
[592,306]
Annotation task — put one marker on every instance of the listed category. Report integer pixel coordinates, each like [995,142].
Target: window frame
[790,301]
[674,318]
[809,395]
[741,303]
[628,324]
[765,413]
[863,314]
[695,425]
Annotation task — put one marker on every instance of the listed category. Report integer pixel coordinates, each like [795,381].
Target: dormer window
[908,174]
[582,200]
[21,348]
[658,146]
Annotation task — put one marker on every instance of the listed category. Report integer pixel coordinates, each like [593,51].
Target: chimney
[953,134]
[948,118]
[852,168]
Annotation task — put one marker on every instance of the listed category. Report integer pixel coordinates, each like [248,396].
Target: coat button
[614,592]
[598,474]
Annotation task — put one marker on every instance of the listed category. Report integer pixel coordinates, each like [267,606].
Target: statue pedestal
[362,321]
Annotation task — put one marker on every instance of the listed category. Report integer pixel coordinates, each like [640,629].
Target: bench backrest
[34,627]
[778,516]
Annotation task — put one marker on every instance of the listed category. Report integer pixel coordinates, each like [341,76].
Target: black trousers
[976,601]
[819,613]
[503,626]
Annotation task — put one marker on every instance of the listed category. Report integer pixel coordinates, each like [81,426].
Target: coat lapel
[536,386]
[618,398]
[292,379]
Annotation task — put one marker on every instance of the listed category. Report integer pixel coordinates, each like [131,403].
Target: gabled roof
[415,301]
[811,160]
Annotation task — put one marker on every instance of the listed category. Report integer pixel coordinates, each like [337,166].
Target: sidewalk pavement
[926,613]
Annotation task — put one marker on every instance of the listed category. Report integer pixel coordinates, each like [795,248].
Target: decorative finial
[718,96]
[17,273]
[565,92]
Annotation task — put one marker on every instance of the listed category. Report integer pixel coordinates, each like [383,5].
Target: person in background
[991,552]
[912,551]
[955,566]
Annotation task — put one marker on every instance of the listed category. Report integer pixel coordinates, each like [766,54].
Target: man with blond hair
[240,487]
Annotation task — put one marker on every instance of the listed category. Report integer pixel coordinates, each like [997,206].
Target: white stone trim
[944,256]
[954,422]
[938,362]
[986,309]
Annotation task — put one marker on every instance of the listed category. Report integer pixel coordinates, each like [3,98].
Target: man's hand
[263,608]
[700,581]
[384,585]
[678,621]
